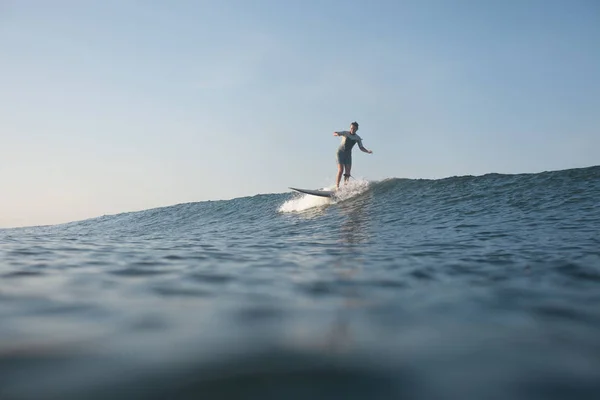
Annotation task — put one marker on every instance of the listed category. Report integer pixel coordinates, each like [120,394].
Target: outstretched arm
[340,133]
[362,148]
[365,150]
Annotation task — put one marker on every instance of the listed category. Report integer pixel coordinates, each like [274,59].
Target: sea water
[480,287]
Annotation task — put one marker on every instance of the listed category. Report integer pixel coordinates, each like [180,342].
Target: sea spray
[303,202]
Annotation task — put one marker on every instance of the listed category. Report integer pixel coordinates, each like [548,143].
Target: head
[353,127]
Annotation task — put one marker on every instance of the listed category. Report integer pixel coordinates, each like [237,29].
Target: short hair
[355,124]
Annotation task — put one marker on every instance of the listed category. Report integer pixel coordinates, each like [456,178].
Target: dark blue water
[481,287]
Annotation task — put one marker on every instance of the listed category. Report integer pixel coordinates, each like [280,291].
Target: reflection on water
[354,226]
[354,232]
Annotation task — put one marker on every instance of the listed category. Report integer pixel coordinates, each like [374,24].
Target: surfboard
[322,193]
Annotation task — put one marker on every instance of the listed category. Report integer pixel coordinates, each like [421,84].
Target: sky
[123,105]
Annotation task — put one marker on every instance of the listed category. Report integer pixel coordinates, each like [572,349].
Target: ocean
[469,287]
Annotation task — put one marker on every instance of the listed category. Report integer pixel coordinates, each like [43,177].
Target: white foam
[354,187]
[304,202]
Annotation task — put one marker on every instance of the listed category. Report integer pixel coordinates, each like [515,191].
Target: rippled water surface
[466,287]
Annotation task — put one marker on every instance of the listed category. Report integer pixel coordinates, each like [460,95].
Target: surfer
[344,153]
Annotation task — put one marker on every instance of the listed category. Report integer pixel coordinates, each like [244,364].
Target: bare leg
[347,174]
[339,176]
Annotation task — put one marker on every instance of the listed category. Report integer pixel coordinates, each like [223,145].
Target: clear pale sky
[120,105]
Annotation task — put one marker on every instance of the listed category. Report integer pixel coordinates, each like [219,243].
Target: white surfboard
[322,193]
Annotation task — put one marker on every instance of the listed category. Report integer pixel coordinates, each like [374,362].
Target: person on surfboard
[344,153]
